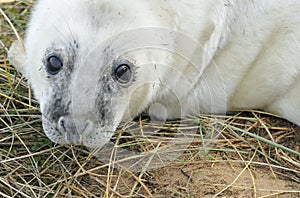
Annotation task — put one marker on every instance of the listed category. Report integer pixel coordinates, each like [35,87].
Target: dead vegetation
[248,154]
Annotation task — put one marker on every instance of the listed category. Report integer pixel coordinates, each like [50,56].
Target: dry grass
[256,155]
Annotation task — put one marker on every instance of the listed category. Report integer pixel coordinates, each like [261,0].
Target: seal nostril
[62,123]
[88,128]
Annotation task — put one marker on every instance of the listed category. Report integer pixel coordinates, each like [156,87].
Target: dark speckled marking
[59,93]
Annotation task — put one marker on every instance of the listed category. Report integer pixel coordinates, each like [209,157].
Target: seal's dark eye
[123,74]
[54,64]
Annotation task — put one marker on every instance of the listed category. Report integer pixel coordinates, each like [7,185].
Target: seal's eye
[54,64]
[123,74]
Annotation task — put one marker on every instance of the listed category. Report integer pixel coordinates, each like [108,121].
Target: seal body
[96,63]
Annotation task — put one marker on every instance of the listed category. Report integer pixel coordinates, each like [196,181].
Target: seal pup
[95,64]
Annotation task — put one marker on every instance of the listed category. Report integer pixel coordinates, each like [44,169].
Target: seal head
[89,75]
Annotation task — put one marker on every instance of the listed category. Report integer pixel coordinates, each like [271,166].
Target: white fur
[250,56]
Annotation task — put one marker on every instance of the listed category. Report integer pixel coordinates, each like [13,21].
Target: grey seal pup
[94,64]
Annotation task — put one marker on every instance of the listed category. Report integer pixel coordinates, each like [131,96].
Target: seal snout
[73,132]
[67,129]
